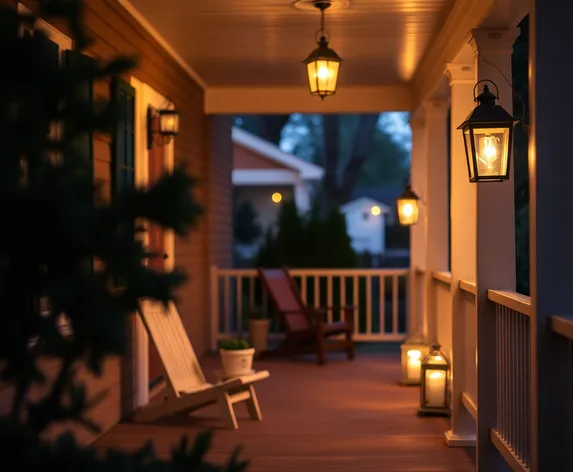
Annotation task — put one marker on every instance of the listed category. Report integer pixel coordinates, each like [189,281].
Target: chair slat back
[167,332]
[286,298]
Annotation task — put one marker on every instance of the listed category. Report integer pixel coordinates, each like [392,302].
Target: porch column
[495,243]
[417,317]
[463,233]
[551,228]
[436,208]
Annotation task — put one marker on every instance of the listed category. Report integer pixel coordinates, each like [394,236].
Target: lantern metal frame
[408,194]
[322,53]
[166,135]
[487,114]
[416,342]
[427,409]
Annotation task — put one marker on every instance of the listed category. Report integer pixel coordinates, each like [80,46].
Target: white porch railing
[379,294]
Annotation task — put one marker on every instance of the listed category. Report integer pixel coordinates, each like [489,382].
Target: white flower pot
[237,362]
[259,333]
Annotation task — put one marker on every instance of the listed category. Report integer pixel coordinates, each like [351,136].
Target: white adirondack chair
[188,389]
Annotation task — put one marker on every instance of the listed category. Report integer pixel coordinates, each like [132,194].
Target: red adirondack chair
[305,327]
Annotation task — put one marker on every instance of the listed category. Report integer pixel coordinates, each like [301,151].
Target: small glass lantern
[414,350]
[168,123]
[488,135]
[408,207]
[435,389]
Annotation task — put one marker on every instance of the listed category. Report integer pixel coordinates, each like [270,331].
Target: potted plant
[236,357]
[259,325]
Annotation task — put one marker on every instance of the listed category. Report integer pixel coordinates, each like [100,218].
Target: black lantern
[408,206]
[167,125]
[488,134]
[322,64]
[435,389]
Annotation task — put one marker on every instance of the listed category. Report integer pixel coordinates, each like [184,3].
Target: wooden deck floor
[347,416]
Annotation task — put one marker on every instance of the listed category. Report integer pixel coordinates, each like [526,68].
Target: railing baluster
[239,288]
[226,304]
[356,302]
[252,281]
[382,314]
[304,289]
[395,304]
[368,304]
[329,302]
[316,291]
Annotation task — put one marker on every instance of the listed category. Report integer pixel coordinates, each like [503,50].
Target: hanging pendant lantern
[488,135]
[322,64]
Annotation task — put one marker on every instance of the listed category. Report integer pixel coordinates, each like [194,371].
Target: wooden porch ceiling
[347,416]
[261,43]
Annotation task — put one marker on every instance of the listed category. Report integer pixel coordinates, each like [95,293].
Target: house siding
[116,32]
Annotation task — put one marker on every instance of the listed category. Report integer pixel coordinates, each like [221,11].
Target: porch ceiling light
[167,128]
[488,135]
[322,64]
[435,389]
[408,206]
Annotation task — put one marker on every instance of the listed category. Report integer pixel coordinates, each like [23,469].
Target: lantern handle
[491,82]
[321,33]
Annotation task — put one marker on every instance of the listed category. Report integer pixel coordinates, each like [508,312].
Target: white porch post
[551,228]
[417,232]
[463,234]
[436,207]
[495,243]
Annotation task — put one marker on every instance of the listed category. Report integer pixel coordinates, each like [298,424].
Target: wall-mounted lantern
[488,135]
[408,206]
[276,197]
[413,350]
[166,126]
[322,64]
[435,389]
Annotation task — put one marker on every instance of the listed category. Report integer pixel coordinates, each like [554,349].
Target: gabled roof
[272,152]
[364,202]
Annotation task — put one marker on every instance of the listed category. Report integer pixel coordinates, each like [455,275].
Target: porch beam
[462,18]
[367,99]
[462,78]
[437,211]
[495,244]
[551,229]
[419,164]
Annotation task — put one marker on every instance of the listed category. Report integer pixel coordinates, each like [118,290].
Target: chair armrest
[347,313]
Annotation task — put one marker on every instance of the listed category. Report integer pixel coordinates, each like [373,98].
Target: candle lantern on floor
[414,350]
[435,389]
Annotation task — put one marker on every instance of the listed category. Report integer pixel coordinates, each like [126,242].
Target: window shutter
[123,149]
[83,144]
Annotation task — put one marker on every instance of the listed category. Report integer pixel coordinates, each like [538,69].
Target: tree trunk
[337,189]
[272,126]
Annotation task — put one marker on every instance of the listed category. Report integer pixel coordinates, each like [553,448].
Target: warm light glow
[276,197]
[414,354]
[435,393]
[407,212]
[168,122]
[375,210]
[322,77]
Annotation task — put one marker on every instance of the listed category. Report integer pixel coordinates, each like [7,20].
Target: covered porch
[353,416]
[511,375]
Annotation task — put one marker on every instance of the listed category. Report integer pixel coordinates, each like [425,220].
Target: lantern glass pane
[322,76]
[435,358]
[469,153]
[169,123]
[407,211]
[435,388]
[491,149]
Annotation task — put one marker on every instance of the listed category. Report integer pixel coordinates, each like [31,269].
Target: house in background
[385,194]
[366,224]
[265,176]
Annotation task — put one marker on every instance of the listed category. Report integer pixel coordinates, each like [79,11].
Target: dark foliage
[54,228]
